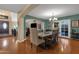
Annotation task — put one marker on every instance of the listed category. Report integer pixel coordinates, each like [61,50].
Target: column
[20,29]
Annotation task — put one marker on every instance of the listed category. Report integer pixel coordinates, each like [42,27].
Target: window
[4,26]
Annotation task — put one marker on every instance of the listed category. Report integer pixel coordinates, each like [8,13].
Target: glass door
[4,27]
[64,28]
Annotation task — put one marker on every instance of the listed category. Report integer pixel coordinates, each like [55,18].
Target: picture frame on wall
[39,26]
[75,23]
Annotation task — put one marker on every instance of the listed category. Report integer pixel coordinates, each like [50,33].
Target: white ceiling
[45,10]
[12,7]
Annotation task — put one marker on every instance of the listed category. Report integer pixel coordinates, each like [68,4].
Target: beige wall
[14,25]
[14,20]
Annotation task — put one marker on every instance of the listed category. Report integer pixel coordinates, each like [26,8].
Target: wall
[39,23]
[72,17]
[46,22]
[14,20]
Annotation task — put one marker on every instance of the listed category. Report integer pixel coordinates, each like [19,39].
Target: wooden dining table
[44,36]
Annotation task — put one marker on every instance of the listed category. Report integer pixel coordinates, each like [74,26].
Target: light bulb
[50,19]
[55,18]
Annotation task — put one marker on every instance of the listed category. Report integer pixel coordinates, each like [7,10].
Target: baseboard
[3,36]
[74,39]
[63,37]
[20,41]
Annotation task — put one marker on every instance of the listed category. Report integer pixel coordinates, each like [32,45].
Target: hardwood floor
[8,45]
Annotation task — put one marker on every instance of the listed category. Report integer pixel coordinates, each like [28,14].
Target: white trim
[68,21]
[20,41]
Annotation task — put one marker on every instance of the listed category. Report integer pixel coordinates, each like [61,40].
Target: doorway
[4,27]
[64,28]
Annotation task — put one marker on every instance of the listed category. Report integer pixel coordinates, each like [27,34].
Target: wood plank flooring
[8,45]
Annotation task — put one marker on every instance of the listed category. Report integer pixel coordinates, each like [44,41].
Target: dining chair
[35,41]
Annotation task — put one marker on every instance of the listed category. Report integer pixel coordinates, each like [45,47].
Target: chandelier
[53,18]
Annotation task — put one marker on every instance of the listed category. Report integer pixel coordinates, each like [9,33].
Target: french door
[65,28]
[4,27]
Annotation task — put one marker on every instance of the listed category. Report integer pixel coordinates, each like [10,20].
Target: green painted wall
[72,17]
[46,22]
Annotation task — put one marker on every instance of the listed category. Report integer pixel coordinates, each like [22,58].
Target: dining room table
[44,36]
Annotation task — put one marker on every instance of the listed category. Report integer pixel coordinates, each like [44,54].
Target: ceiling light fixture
[53,18]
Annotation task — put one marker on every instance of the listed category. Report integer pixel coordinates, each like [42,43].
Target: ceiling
[59,10]
[12,7]
[45,10]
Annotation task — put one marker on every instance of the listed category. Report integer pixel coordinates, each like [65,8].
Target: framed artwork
[75,23]
[39,26]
